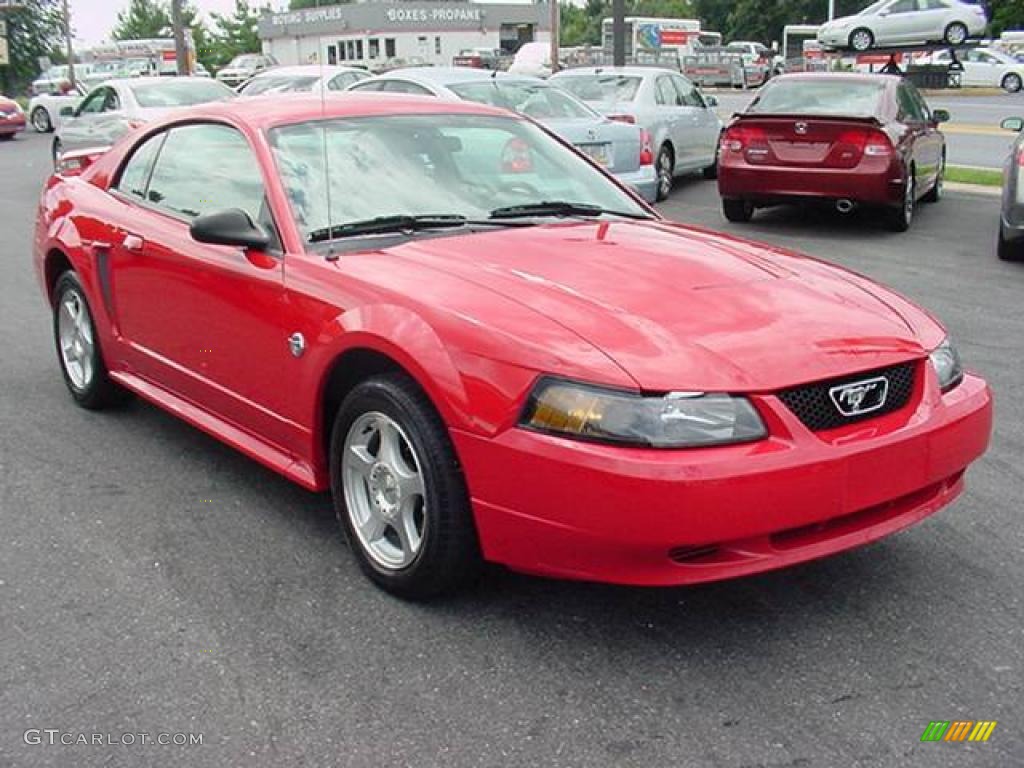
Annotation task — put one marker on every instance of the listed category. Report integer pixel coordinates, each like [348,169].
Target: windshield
[414,165]
[280,84]
[819,97]
[874,8]
[244,62]
[537,100]
[601,88]
[180,93]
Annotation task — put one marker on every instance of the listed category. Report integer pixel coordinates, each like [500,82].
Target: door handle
[133,243]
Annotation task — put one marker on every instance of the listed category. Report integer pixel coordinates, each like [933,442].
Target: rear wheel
[399,491]
[900,218]
[955,34]
[666,171]
[41,120]
[738,211]
[1012,83]
[1007,250]
[78,347]
[861,39]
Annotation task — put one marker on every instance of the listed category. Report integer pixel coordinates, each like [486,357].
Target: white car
[303,78]
[986,67]
[533,60]
[903,22]
[44,110]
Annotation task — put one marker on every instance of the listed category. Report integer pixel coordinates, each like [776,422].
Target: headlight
[675,420]
[946,362]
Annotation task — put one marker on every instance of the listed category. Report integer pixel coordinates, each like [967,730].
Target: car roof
[308,69]
[860,77]
[265,112]
[625,70]
[448,75]
[126,81]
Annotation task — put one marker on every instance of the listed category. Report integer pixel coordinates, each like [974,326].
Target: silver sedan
[681,120]
[115,107]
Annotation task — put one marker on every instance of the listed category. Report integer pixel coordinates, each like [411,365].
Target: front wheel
[1012,83]
[861,39]
[78,347]
[41,120]
[955,34]
[738,211]
[666,172]
[399,492]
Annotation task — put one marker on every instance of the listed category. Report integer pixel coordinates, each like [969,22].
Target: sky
[93,19]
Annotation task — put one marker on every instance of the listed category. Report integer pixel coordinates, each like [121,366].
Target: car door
[705,126]
[79,130]
[925,139]
[897,22]
[112,121]
[675,117]
[202,321]
[981,68]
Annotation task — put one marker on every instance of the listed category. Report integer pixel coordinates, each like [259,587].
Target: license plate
[597,152]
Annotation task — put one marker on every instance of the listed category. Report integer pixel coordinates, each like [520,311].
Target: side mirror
[710,101]
[940,115]
[67,112]
[1015,124]
[229,227]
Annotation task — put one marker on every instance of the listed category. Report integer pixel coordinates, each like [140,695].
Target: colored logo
[958,730]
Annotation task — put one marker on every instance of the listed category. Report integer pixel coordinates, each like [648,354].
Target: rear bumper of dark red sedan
[874,184]
[568,509]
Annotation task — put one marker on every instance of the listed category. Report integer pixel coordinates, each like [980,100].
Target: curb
[973,189]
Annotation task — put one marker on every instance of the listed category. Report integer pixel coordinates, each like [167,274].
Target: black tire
[41,120]
[935,193]
[862,39]
[1012,83]
[711,172]
[6,136]
[955,33]
[738,211]
[98,391]
[449,554]
[900,217]
[1008,250]
[665,168]
[57,149]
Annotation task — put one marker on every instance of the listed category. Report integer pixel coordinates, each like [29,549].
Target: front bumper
[570,509]
[834,38]
[644,180]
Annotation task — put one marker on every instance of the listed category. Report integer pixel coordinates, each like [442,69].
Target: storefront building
[370,34]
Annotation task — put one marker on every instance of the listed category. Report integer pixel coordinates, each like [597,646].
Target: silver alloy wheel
[74,328]
[385,494]
[956,34]
[41,120]
[664,173]
[1012,83]
[862,40]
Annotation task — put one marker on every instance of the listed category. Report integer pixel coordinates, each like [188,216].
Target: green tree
[143,19]
[1007,14]
[234,34]
[35,29]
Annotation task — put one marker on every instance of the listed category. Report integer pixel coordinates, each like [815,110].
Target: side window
[664,93]
[135,176]
[93,103]
[342,81]
[903,6]
[688,92]
[206,168]
[112,102]
[910,109]
[403,86]
[375,86]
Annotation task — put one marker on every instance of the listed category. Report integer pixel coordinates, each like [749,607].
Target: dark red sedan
[489,350]
[12,119]
[846,139]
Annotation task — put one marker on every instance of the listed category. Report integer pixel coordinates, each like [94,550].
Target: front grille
[814,407]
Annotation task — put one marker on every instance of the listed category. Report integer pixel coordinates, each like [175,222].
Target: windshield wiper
[398,223]
[558,208]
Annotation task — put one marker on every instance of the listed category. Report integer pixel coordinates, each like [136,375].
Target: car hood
[680,308]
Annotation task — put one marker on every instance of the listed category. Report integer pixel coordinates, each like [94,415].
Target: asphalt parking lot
[153,580]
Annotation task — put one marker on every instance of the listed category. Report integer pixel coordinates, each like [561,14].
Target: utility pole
[69,43]
[831,9]
[556,22]
[619,33]
[180,54]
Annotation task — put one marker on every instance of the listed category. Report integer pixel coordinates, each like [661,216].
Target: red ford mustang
[490,351]
[849,139]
